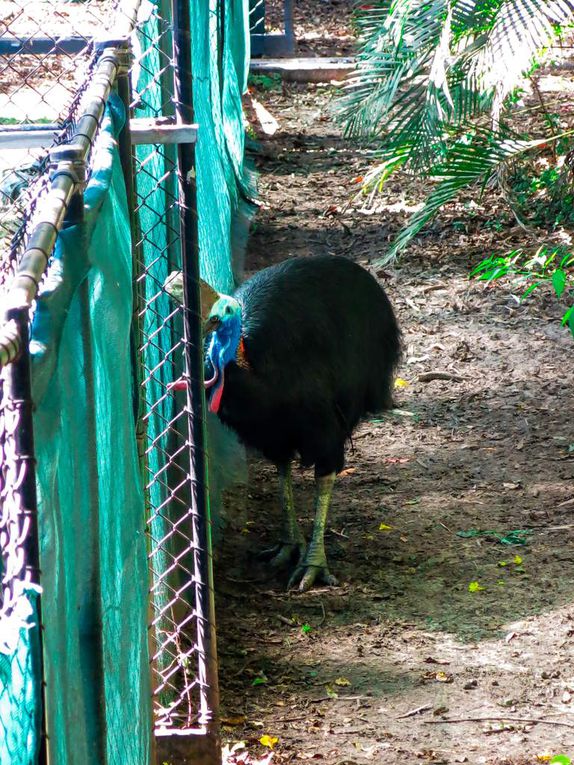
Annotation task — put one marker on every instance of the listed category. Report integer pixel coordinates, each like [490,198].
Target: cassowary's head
[224,326]
[224,317]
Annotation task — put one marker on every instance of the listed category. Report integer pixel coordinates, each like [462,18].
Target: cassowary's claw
[282,554]
[308,575]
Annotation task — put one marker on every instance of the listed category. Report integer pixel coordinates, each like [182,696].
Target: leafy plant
[543,191]
[265,81]
[433,87]
[548,265]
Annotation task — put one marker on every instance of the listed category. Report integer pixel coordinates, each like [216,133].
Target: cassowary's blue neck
[223,347]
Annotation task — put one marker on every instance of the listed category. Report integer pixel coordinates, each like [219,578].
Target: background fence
[88,236]
[271,28]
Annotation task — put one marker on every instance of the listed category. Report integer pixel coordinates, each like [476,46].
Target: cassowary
[300,353]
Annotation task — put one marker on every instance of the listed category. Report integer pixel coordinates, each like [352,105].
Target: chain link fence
[46,51]
[60,65]
[271,27]
[179,643]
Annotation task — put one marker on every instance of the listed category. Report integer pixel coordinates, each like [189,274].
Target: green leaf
[568,318]
[530,289]
[484,265]
[517,537]
[496,273]
[559,282]
[560,759]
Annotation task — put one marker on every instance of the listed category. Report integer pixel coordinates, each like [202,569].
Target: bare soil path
[441,645]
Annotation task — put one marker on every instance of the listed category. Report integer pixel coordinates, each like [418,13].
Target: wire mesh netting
[19,654]
[46,52]
[271,27]
[44,46]
[257,17]
[178,657]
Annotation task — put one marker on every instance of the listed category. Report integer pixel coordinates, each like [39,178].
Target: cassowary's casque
[294,359]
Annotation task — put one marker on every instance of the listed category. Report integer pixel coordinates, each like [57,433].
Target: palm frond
[457,58]
[520,30]
[473,17]
[470,161]
[395,49]
[426,71]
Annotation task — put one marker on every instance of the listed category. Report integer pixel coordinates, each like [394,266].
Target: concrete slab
[319,69]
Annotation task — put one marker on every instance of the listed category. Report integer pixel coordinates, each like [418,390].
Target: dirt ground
[441,645]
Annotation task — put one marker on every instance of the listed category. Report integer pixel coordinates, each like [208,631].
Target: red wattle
[215,401]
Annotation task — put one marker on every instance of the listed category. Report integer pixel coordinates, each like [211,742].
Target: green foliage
[475,158]
[542,189]
[13,121]
[433,84]
[553,265]
[265,81]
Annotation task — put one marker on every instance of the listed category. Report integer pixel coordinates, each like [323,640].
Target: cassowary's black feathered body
[321,342]
[301,352]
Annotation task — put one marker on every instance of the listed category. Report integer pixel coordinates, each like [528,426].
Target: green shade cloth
[91,509]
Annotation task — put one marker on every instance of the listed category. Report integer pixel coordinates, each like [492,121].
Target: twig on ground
[433,287]
[413,712]
[244,667]
[412,304]
[428,376]
[339,533]
[532,720]
[293,719]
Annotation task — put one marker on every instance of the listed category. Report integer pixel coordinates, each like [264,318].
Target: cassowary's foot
[291,548]
[313,568]
[307,574]
[283,553]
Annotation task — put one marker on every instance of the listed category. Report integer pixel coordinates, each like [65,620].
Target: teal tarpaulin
[91,509]
[19,684]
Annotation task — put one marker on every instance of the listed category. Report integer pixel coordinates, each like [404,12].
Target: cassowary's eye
[228,309]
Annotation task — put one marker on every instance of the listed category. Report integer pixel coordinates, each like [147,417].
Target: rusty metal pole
[19,393]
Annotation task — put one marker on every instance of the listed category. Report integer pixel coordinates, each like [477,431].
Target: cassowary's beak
[211,324]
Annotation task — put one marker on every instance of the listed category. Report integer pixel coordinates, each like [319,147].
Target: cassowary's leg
[292,543]
[313,567]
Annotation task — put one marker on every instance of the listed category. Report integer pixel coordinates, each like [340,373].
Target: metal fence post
[19,393]
[210,751]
